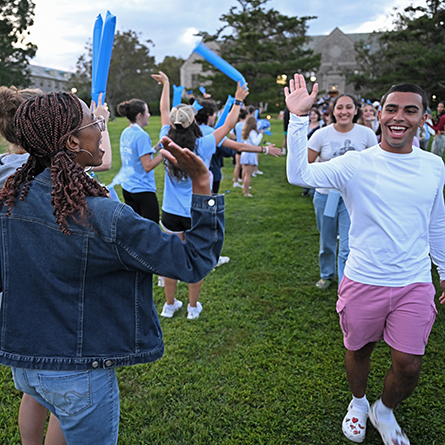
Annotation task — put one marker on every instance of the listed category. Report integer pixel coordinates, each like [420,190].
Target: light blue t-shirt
[135,143]
[177,197]
[206,129]
[238,131]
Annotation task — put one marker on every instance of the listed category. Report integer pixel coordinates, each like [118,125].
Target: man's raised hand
[298,100]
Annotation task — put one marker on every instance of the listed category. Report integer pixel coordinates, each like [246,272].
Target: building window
[195,80]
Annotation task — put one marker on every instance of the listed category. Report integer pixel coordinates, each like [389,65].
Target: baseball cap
[182,114]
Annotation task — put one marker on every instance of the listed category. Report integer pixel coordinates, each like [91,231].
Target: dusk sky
[62,28]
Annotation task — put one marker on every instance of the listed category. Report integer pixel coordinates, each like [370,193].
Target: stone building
[337,55]
[50,79]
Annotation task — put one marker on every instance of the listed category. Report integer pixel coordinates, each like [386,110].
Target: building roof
[49,73]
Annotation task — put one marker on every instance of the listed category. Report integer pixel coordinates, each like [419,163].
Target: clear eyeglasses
[100,122]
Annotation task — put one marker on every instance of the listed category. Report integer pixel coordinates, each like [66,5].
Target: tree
[413,52]
[130,72]
[263,45]
[16,16]
[170,66]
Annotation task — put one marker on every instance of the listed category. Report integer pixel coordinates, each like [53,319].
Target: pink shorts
[402,316]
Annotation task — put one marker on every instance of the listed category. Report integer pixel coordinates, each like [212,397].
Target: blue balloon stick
[104,57]
[177,95]
[219,63]
[225,112]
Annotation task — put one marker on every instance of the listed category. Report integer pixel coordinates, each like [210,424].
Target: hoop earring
[92,157]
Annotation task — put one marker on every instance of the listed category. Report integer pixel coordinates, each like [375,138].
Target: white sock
[384,413]
[361,404]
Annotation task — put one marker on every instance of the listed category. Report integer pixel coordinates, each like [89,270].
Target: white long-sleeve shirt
[395,202]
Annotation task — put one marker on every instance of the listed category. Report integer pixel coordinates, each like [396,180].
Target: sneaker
[222,260]
[161,282]
[193,312]
[237,185]
[169,309]
[391,432]
[254,174]
[354,424]
[259,172]
[323,284]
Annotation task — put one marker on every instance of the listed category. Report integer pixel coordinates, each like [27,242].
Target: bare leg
[357,369]
[54,434]
[247,175]
[194,289]
[170,284]
[401,378]
[32,421]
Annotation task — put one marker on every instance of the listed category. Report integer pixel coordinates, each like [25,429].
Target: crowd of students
[114,248]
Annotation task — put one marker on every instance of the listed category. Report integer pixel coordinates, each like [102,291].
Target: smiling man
[394,195]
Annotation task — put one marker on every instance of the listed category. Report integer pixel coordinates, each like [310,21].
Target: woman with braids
[180,125]
[32,415]
[139,189]
[85,305]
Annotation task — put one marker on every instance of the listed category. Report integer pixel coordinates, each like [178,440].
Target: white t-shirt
[330,143]
[395,202]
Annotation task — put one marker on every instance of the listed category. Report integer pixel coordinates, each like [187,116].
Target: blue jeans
[85,402]
[329,228]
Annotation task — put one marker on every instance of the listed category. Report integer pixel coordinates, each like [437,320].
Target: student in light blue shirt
[139,189]
[179,124]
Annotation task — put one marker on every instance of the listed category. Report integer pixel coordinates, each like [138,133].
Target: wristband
[238,102]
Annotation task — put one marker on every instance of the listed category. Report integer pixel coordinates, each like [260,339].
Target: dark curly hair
[43,125]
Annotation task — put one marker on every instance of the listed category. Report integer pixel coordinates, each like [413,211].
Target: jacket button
[211,202]
[95,364]
[108,363]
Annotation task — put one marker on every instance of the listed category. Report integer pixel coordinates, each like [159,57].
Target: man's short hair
[209,107]
[407,88]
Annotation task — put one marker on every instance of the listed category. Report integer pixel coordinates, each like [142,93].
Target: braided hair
[43,127]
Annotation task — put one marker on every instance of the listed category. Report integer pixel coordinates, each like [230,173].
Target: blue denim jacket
[85,301]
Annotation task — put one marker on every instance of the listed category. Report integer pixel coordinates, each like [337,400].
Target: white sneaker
[237,185]
[193,312]
[254,174]
[161,282]
[169,309]
[259,172]
[222,260]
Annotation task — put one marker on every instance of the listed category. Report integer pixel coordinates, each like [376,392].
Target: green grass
[264,364]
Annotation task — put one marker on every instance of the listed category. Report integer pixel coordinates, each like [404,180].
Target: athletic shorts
[175,223]
[401,316]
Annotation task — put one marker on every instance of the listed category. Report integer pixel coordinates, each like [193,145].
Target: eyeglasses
[100,121]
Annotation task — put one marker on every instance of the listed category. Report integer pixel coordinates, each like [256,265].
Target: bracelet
[267,150]
[238,102]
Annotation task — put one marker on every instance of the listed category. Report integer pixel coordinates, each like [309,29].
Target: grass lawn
[264,363]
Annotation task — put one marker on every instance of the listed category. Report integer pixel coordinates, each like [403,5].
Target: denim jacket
[85,301]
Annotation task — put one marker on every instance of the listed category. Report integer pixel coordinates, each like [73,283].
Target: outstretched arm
[164,103]
[238,146]
[232,118]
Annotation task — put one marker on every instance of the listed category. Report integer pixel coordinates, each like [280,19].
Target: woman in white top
[327,143]
[249,160]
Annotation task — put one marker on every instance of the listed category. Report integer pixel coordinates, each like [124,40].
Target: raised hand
[242,91]
[100,109]
[189,162]
[298,100]
[161,78]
